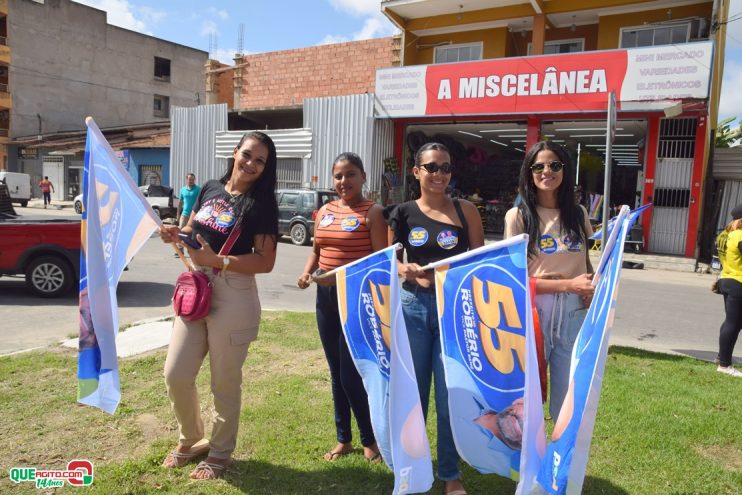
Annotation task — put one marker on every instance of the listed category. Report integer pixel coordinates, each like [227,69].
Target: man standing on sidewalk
[188,195]
[47,188]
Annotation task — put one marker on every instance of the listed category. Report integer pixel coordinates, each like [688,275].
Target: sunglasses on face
[432,168]
[554,166]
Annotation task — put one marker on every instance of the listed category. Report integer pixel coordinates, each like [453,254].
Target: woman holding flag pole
[432,228]
[346,230]
[558,229]
[238,210]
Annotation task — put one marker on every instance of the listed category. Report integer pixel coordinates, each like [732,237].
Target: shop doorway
[486,157]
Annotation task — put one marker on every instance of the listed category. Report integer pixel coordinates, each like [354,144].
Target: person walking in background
[243,198]
[729,246]
[558,229]
[346,230]
[432,228]
[47,188]
[188,195]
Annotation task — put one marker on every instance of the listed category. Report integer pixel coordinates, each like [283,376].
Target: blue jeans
[421,319]
[347,386]
[561,316]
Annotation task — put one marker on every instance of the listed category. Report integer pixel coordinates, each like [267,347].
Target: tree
[726,135]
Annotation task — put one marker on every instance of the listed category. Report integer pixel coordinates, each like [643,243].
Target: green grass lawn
[665,425]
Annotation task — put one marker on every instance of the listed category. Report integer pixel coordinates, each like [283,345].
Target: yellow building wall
[609,30]
[418,50]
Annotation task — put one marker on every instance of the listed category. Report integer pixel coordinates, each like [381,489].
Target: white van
[19,186]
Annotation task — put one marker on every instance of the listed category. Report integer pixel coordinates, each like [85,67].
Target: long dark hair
[263,191]
[572,219]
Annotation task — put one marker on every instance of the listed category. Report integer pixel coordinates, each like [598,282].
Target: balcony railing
[3,88]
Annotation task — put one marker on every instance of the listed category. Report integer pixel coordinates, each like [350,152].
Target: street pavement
[658,310]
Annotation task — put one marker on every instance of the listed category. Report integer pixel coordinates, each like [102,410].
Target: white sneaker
[729,370]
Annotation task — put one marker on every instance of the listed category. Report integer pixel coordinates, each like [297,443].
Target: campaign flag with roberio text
[488,344]
[374,328]
[116,222]
[563,466]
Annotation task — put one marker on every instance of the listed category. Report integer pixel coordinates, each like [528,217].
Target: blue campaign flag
[565,461]
[373,324]
[633,217]
[116,222]
[488,345]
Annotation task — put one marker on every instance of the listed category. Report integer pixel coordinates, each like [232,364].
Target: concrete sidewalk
[141,337]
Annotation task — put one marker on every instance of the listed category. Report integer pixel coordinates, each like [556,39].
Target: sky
[273,25]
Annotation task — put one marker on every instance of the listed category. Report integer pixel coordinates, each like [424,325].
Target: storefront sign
[28,153]
[574,82]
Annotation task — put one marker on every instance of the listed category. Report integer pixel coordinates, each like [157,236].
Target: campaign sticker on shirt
[447,239]
[574,244]
[547,244]
[349,224]
[327,220]
[418,236]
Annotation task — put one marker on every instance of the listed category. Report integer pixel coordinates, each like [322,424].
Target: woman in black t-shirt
[432,228]
[244,197]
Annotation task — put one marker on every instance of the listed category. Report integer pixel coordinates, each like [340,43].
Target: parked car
[19,186]
[46,252]
[78,204]
[160,198]
[297,209]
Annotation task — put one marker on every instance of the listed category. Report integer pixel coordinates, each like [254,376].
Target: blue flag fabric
[565,461]
[116,222]
[633,217]
[373,324]
[485,320]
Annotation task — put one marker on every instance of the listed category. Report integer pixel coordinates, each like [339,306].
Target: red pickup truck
[46,251]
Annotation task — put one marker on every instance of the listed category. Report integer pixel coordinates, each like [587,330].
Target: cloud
[226,55]
[357,7]
[119,13]
[151,16]
[220,13]
[208,27]
[376,25]
[333,38]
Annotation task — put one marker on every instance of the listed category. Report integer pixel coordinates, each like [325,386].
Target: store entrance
[486,157]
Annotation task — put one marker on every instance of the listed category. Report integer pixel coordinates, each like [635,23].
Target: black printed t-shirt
[426,240]
[215,216]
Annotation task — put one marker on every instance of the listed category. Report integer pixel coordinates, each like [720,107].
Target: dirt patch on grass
[729,457]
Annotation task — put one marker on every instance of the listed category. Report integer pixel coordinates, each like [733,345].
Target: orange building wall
[495,44]
[285,78]
[589,33]
[609,31]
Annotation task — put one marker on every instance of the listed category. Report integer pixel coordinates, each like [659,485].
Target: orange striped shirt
[342,234]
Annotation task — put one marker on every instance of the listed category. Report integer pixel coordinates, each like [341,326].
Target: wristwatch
[225,262]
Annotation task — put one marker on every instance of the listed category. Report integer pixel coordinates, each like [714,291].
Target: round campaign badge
[349,224]
[447,239]
[573,243]
[327,220]
[418,236]
[547,244]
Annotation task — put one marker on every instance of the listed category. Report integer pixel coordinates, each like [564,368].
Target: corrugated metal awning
[728,163]
[290,143]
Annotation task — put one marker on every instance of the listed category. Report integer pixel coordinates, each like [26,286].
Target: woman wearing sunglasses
[432,228]
[558,229]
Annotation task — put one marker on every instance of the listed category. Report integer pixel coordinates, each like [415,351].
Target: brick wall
[285,78]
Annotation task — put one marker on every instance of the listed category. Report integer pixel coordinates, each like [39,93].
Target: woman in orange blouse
[345,230]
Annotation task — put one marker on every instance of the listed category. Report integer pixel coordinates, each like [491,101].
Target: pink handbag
[192,295]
